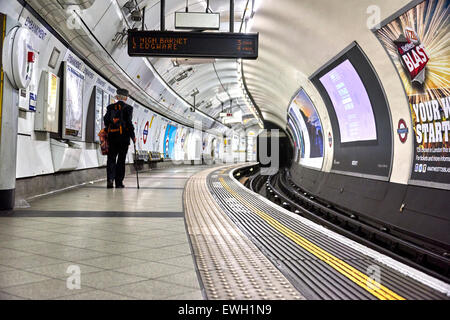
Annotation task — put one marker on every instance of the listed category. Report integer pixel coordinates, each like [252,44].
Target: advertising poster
[74,81]
[153,133]
[52,110]
[98,113]
[137,120]
[105,102]
[178,149]
[417,41]
[299,145]
[184,142]
[306,124]
[169,141]
[162,135]
[146,138]
[143,121]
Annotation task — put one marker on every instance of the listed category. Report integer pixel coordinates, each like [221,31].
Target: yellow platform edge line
[361,279]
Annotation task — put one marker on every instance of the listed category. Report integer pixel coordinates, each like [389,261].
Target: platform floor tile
[123,241]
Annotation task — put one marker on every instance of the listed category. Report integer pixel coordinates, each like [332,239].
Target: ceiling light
[194,92]
[136,15]
[182,76]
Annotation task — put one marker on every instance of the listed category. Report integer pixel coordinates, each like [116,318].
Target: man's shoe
[120,186]
[110,184]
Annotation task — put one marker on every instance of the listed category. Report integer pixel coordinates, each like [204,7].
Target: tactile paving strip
[230,265]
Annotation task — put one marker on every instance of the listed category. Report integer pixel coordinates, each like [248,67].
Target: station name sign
[192,44]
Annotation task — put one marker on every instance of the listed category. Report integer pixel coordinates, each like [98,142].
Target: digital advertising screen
[359,115]
[307,129]
[351,103]
[73,102]
[417,42]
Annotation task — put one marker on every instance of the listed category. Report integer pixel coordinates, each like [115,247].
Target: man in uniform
[119,125]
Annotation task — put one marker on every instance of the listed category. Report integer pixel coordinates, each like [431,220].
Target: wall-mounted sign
[32,103]
[192,44]
[402,130]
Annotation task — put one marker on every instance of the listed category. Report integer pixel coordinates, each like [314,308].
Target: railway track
[281,190]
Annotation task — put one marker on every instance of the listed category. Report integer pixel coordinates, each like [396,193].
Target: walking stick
[136,165]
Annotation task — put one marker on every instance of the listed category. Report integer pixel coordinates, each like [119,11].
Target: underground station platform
[206,237]
[224,159]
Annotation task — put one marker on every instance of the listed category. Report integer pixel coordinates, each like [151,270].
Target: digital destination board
[192,44]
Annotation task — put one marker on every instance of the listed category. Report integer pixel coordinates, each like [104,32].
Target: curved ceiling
[295,39]
[165,84]
[216,80]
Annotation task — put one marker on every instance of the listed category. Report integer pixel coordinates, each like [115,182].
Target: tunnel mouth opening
[275,148]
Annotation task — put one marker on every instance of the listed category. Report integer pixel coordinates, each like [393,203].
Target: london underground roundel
[402,130]
[145,133]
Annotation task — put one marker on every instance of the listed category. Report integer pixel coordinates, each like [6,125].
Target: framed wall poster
[417,41]
[72,103]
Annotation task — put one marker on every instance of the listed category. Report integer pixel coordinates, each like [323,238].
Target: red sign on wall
[413,55]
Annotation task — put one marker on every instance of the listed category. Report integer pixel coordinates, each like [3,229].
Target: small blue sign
[32,104]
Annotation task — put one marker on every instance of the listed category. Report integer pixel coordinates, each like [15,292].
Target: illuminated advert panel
[359,115]
[351,103]
[307,128]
